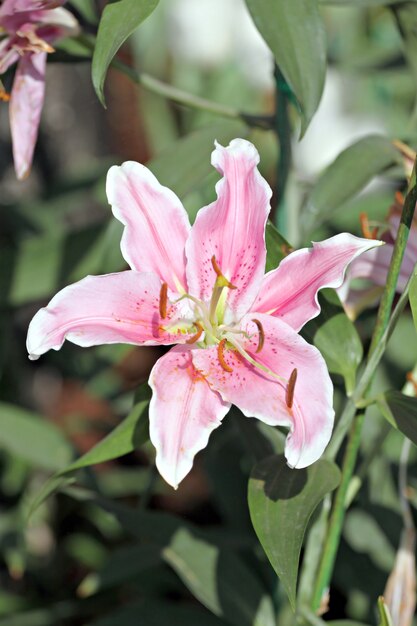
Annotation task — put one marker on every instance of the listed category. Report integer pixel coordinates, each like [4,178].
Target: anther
[261,337]
[289,392]
[220,355]
[163,300]
[222,280]
[198,334]
[366,231]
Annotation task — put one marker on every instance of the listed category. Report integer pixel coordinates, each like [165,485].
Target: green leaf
[348,175]
[126,437]
[344,622]
[213,574]
[276,247]
[406,17]
[412,296]
[294,31]
[121,566]
[32,438]
[335,335]
[281,502]
[155,612]
[118,21]
[219,580]
[131,433]
[401,412]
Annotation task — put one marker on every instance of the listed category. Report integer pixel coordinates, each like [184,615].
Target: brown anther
[198,334]
[4,96]
[220,355]
[261,337]
[163,300]
[220,275]
[366,231]
[289,392]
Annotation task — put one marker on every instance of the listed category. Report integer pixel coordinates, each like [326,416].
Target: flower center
[209,317]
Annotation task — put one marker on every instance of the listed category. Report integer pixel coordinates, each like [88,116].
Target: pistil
[219,285]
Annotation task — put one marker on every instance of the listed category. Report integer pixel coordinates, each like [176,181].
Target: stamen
[366,231]
[198,334]
[252,361]
[163,300]
[221,278]
[261,339]
[289,392]
[220,355]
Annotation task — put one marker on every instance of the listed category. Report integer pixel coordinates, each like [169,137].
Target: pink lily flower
[204,289]
[373,266]
[30,27]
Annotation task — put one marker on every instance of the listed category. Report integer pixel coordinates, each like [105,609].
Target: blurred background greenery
[75,563]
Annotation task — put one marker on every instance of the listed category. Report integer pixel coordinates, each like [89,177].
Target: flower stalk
[383,329]
[264,121]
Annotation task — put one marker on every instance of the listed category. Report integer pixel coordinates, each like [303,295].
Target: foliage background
[86,558]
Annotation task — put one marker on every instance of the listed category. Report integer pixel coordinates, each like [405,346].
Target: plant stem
[382,331]
[283,133]
[185,98]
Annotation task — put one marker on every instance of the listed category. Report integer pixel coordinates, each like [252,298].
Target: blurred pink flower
[204,288]
[373,265]
[30,27]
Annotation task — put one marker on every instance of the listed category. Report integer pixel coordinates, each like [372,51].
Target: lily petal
[156,223]
[290,291]
[114,308]
[260,394]
[231,228]
[182,414]
[56,23]
[8,55]
[25,110]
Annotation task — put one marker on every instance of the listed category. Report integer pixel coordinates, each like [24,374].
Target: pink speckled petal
[290,291]
[114,308]
[373,266]
[156,224]
[259,394]
[182,414]
[26,104]
[231,228]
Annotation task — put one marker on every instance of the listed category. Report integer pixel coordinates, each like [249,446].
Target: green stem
[160,88]
[382,331]
[283,133]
